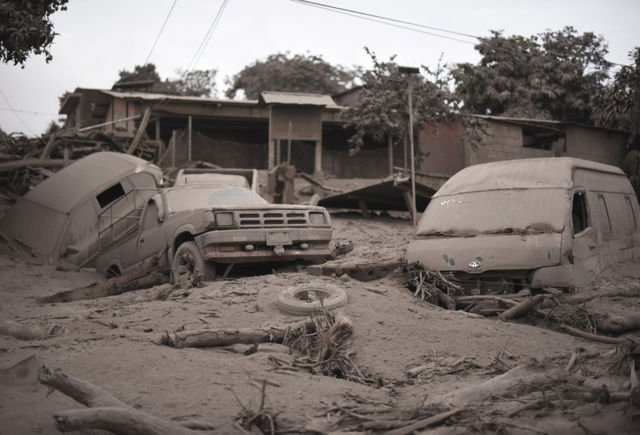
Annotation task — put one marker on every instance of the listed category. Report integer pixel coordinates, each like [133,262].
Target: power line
[207,37]
[390,22]
[439,29]
[16,113]
[31,112]
[383,20]
[160,32]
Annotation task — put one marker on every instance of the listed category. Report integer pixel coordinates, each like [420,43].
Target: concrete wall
[502,142]
[442,149]
[597,145]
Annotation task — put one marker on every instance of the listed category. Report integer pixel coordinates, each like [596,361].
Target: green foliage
[618,105]
[298,73]
[195,83]
[382,109]
[26,27]
[140,73]
[549,76]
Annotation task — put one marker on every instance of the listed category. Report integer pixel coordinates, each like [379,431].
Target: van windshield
[514,211]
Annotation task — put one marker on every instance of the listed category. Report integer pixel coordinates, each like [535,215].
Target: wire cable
[390,22]
[382,20]
[16,114]
[207,37]
[31,112]
[160,32]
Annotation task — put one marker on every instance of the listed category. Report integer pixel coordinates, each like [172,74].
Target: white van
[83,208]
[529,223]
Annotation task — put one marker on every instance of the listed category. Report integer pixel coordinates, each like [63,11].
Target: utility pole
[410,71]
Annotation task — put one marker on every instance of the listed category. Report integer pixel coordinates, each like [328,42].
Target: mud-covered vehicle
[198,227]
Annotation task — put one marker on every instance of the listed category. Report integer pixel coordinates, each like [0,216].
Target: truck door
[151,238]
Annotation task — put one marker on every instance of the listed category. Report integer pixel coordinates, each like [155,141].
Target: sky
[96,39]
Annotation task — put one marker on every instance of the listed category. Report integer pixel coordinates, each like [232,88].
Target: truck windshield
[191,198]
[513,211]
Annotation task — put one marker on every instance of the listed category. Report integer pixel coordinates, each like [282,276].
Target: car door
[586,261]
[151,239]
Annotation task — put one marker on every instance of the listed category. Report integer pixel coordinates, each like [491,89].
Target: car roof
[546,172]
[66,188]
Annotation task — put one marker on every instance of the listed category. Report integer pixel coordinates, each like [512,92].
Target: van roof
[546,172]
[66,188]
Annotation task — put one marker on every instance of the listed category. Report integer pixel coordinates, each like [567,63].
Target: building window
[579,215]
[110,195]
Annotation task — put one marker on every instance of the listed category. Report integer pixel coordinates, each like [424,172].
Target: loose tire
[307,300]
[188,264]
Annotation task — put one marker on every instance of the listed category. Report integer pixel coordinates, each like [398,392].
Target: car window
[579,214]
[150,218]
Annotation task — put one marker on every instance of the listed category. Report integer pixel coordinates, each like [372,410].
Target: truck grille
[272,218]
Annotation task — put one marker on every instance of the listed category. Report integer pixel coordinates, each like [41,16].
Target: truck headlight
[224,219]
[317,218]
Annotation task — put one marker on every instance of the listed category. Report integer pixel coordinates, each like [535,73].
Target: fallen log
[227,337]
[24,372]
[111,287]
[618,324]
[581,298]
[146,275]
[427,422]
[21,332]
[106,412]
[522,308]
[592,337]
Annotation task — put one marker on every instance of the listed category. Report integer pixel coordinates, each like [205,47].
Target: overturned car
[197,227]
[529,223]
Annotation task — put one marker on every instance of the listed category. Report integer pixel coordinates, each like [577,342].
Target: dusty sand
[112,342]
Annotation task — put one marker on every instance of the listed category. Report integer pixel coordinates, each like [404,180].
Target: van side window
[632,212]
[110,195]
[579,214]
[606,220]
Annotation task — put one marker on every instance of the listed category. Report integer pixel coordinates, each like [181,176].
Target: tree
[553,75]
[26,27]
[197,83]
[298,73]
[617,106]
[382,110]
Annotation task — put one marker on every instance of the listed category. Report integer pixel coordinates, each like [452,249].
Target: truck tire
[307,300]
[188,263]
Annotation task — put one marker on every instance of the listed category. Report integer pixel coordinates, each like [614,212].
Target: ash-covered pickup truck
[197,227]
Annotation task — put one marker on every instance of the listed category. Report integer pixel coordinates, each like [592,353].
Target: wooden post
[289,144]
[50,145]
[272,149]
[317,171]
[390,142]
[140,132]
[173,149]
[189,140]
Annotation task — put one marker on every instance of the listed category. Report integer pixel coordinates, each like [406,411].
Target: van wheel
[307,300]
[188,265]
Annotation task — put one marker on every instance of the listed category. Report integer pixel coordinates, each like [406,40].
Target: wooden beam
[140,132]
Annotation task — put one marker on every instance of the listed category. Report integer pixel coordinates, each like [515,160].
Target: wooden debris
[21,332]
[592,337]
[341,249]
[618,324]
[105,411]
[522,308]
[227,337]
[147,274]
[25,372]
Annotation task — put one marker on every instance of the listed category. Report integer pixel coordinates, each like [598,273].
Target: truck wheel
[307,300]
[188,264]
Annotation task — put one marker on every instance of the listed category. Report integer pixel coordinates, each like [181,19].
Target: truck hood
[486,252]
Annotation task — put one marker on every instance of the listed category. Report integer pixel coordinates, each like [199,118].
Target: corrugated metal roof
[549,172]
[159,97]
[65,189]
[297,99]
